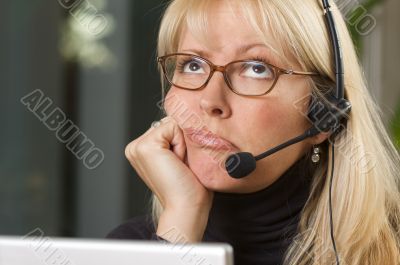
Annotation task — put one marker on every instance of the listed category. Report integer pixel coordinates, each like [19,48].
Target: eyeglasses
[243,77]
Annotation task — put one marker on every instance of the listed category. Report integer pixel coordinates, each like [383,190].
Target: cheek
[290,107]
[172,102]
[180,105]
[270,123]
[263,123]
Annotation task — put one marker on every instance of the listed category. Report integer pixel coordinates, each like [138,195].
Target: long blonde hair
[365,191]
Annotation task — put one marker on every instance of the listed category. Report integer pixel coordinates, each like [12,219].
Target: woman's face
[251,124]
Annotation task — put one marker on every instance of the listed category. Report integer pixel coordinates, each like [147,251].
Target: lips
[207,139]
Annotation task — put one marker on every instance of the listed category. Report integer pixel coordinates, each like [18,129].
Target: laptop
[61,251]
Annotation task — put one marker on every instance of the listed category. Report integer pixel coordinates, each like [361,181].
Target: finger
[169,136]
[139,168]
[152,128]
[166,118]
[178,144]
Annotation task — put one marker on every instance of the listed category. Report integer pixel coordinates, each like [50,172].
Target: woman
[278,214]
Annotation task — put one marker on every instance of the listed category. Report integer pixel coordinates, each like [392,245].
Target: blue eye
[257,70]
[191,66]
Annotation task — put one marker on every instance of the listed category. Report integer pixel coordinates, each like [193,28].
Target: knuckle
[131,150]
[128,152]
[141,148]
[136,149]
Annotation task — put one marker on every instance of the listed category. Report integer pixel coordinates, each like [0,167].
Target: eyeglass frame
[278,71]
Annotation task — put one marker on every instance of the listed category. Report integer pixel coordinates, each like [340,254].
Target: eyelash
[261,59]
[180,65]
[255,58]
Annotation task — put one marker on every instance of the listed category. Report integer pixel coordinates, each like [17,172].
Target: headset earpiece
[329,116]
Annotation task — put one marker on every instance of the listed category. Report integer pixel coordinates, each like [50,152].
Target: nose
[214,97]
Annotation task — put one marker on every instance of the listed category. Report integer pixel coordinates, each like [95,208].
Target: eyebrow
[247,47]
[240,50]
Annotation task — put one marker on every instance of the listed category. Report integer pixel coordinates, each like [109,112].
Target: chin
[210,171]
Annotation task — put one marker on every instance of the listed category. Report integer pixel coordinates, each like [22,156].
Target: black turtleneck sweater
[260,226]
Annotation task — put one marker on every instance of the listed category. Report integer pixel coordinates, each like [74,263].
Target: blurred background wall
[95,60]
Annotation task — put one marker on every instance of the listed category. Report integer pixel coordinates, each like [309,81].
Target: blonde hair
[365,191]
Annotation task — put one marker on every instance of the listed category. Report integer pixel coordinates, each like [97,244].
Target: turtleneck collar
[261,225]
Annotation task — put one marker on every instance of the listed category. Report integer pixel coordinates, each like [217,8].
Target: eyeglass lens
[245,77]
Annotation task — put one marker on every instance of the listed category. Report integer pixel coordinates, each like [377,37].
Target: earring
[315,156]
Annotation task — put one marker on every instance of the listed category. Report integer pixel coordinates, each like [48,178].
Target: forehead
[223,29]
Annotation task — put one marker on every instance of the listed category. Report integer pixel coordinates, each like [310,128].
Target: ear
[319,138]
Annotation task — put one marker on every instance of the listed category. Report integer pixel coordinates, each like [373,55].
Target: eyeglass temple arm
[292,72]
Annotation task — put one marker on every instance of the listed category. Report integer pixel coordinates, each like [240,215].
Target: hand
[158,158]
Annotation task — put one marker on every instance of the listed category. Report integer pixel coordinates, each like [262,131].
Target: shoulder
[140,227]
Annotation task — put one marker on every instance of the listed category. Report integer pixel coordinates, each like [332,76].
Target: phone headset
[328,115]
